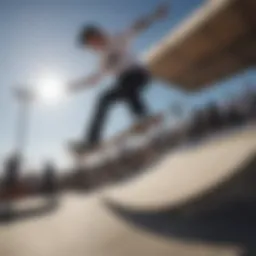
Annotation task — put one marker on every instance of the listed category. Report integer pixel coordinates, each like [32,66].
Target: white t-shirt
[118,56]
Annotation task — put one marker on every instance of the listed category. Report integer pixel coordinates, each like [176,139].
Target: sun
[50,90]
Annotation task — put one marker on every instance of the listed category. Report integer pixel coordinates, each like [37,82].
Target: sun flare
[50,90]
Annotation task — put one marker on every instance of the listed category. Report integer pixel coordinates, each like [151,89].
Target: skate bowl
[150,219]
[219,210]
[198,177]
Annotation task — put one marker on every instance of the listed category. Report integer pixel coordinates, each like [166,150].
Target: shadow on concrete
[228,222]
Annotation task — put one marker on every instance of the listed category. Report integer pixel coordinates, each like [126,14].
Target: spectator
[12,169]
[49,178]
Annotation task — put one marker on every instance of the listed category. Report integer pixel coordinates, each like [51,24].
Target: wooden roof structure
[215,42]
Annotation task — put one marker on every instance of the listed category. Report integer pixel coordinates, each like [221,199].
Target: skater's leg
[99,117]
[128,88]
[133,85]
[137,105]
[132,88]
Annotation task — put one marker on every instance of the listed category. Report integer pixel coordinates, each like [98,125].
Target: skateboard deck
[139,128]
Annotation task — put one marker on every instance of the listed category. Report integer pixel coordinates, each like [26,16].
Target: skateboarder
[116,59]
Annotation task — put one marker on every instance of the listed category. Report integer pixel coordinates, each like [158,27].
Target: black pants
[128,88]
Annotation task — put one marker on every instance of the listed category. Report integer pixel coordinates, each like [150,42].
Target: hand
[83,83]
[162,11]
[72,87]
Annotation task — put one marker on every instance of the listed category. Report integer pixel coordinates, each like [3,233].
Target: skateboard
[138,129]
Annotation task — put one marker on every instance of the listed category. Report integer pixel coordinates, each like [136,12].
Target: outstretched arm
[86,82]
[145,22]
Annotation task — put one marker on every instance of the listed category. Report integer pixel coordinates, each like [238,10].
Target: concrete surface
[84,225]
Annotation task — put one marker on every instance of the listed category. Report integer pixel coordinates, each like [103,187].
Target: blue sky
[38,40]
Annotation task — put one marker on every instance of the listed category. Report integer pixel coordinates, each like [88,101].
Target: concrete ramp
[213,43]
[83,226]
[213,168]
